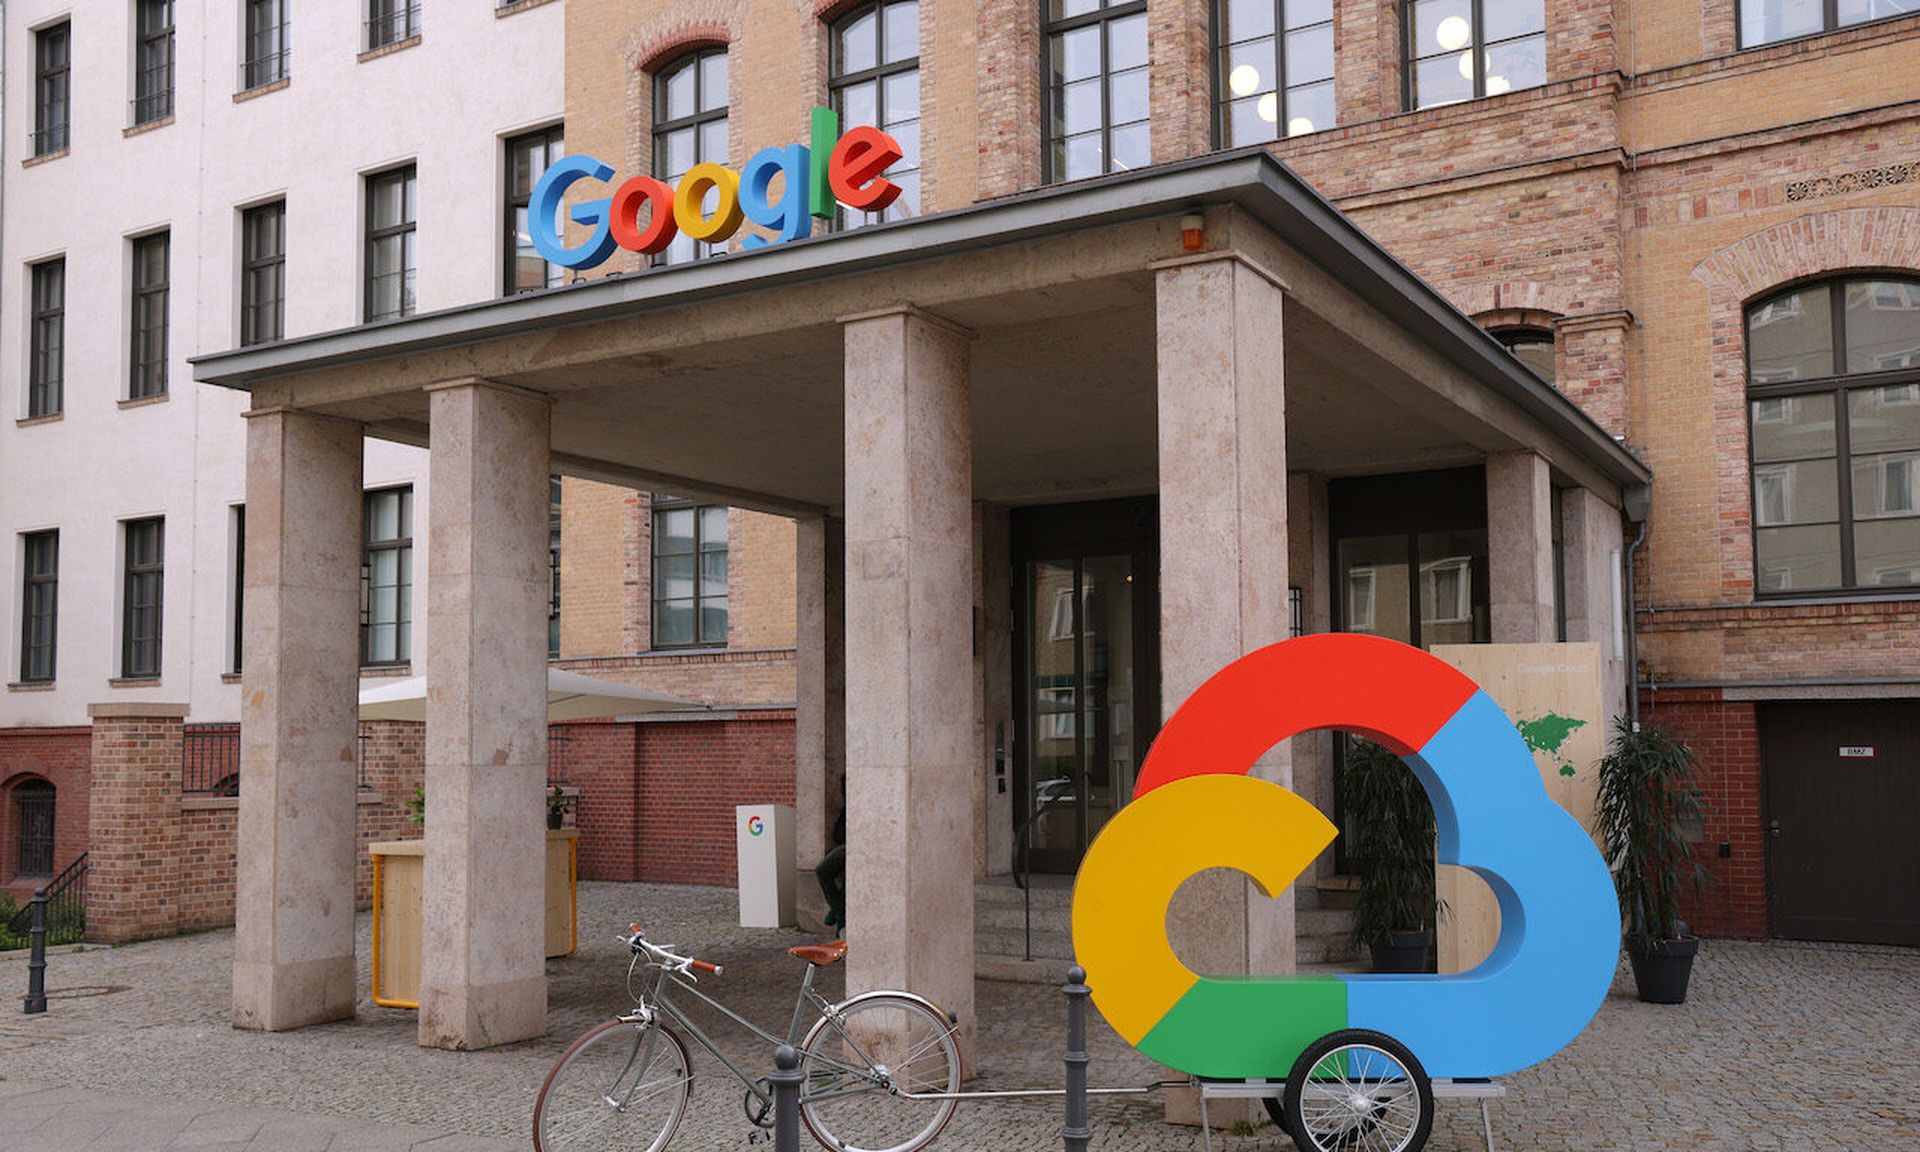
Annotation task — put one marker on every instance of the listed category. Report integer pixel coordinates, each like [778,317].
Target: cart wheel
[1358,1091]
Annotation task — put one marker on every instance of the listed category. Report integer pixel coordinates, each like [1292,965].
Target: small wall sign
[1856,751]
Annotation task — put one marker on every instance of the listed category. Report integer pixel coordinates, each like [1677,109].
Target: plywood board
[1552,692]
[562,880]
[397,981]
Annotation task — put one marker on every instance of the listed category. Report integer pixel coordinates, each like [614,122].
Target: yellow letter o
[725,220]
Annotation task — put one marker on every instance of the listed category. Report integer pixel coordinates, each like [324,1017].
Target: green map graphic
[1549,734]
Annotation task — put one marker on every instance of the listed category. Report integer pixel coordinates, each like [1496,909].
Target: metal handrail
[59,897]
[1022,852]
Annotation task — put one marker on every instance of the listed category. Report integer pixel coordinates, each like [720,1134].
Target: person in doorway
[832,872]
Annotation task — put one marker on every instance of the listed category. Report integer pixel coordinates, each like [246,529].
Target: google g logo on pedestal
[1196,808]
[755,825]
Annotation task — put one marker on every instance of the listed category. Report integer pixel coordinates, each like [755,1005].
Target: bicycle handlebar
[666,959]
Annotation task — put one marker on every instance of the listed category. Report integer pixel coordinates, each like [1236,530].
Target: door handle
[1773,828]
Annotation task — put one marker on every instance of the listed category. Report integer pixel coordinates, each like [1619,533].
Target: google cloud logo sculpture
[1196,808]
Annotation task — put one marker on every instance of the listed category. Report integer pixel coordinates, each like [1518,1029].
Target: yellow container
[398,867]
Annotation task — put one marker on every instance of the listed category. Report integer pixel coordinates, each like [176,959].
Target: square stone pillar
[483,959]
[1223,560]
[1520,548]
[299,723]
[1592,538]
[820,704]
[909,659]
[1310,569]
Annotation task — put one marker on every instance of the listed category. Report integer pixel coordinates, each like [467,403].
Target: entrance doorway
[1086,670]
[1843,819]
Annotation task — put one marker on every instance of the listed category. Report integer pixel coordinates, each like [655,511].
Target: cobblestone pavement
[1782,1047]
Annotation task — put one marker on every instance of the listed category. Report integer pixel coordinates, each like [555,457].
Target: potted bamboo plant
[1390,833]
[1648,809]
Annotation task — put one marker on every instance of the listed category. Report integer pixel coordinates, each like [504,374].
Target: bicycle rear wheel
[617,1087]
[863,1065]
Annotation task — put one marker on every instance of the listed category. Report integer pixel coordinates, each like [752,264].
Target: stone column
[483,961]
[909,659]
[1591,541]
[133,812]
[1223,547]
[1310,569]
[299,722]
[820,704]
[1520,548]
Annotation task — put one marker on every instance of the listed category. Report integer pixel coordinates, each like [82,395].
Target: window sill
[134,682]
[267,89]
[45,158]
[1836,598]
[144,401]
[149,126]
[517,7]
[385,671]
[36,421]
[31,686]
[389,49]
[230,677]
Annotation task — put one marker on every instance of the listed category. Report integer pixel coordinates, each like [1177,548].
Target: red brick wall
[62,757]
[133,878]
[1725,738]
[205,882]
[692,775]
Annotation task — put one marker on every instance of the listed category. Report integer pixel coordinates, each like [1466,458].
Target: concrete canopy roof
[721,379]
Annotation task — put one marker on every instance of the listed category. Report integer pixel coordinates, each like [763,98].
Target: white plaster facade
[446,104]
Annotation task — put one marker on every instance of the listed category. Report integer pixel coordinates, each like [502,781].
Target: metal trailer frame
[1482,1090]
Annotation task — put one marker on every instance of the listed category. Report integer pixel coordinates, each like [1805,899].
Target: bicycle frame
[655,999]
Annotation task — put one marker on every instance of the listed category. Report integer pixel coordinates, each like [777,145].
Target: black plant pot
[1401,951]
[1661,969]
[556,819]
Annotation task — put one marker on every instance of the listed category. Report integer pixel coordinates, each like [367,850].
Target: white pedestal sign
[764,836]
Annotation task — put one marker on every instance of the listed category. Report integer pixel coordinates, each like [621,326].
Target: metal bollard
[786,1081]
[37,959]
[1076,1133]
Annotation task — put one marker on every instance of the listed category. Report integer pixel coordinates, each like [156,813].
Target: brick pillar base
[134,822]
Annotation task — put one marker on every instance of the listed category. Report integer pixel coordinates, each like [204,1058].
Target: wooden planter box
[397,889]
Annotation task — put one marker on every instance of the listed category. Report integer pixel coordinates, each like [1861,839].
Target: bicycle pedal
[758,1137]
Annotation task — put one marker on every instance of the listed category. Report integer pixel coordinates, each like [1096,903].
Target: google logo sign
[1196,807]
[755,825]
[834,169]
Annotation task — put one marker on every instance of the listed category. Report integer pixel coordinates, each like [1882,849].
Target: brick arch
[1809,247]
[689,24]
[1517,296]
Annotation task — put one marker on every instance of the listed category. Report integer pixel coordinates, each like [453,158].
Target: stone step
[1051,943]
[1018,971]
[998,894]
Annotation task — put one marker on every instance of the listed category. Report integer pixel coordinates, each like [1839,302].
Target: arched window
[876,82]
[1274,76]
[1097,113]
[1465,49]
[1833,378]
[1531,346]
[690,127]
[33,819]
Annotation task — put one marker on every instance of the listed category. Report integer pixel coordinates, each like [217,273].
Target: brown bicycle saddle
[821,954]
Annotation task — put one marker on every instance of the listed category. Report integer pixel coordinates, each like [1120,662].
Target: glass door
[1080,702]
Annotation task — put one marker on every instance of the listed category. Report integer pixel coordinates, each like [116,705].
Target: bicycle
[881,1068]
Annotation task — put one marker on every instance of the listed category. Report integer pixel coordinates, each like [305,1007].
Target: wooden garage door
[1843,812]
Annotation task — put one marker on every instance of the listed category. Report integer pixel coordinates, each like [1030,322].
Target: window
[234,646]
[1768,21]
[689,573]
[1465,49]
[391,21]
[39,606]
[263,273]
[1533,347]
[1360,599]
[1275,68]
[33,813]
[148,365]
[144,545]
[876,82]
[1446,595]
[1834,425]
[265,44]
[390,268]
[553,566]
[1097,111]
[690,127]
[387,575]
[152,61]
[47,339]
[527,159]
[51,52]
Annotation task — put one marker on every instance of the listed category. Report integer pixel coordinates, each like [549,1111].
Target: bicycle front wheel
[866,1063]
[617,1087]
